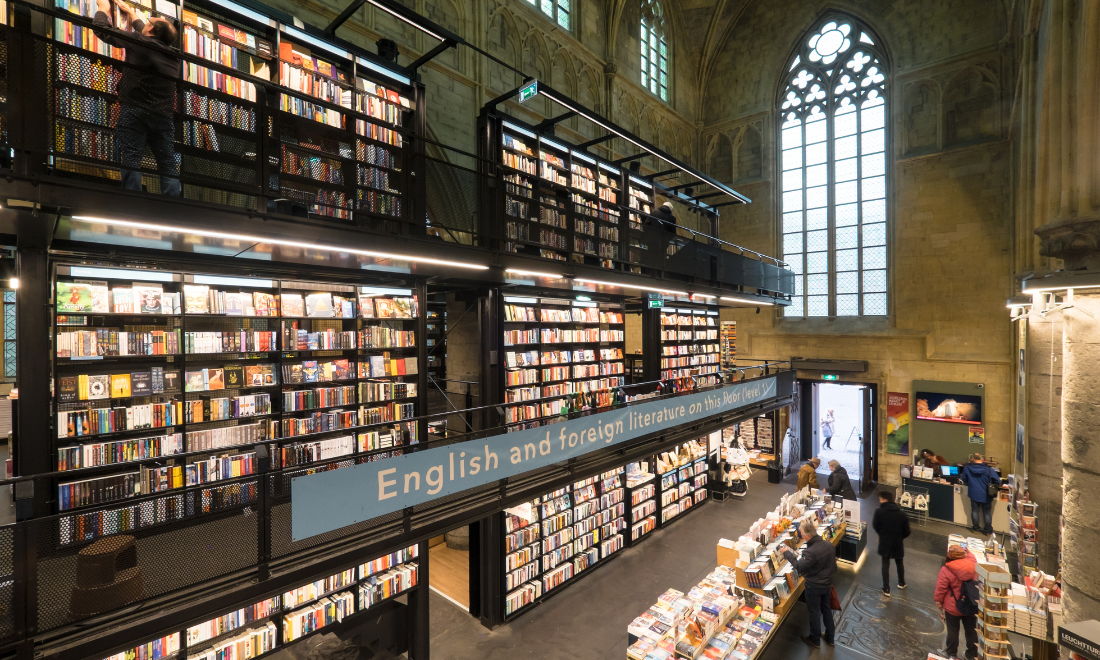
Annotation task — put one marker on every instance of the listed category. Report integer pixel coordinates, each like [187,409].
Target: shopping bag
[834,602]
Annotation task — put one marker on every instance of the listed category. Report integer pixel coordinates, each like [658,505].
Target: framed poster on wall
[897,423]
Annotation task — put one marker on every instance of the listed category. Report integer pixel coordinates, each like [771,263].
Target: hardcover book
[366,307]
[120,386]
[141,383]
[234,377]
[67,389]
[99,387]
[148,298]
[268,372]
[196,299]
[73,297]
[309,372]
[235,303]
[293,305]
[384,307]
[172,382]
[253,375]
[402,308]
[215,379]
[156,378]
[319,305]
[123,299]
[195,381]
[100,295]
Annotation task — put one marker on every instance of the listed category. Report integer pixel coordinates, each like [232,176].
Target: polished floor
[588,620]
[450,574]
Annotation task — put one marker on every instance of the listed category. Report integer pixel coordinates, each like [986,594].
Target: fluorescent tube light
[702,295]
[522,301]
[324,45]
[233,281]
[748,300]
[245,11]
[121,274]
[383,70]
[581,303]
[517,129]
[276,241]
[632,286]
[640,182]
[384,291]
[533,273]
[555,145]
[577,154]
[610,168]
[402,18]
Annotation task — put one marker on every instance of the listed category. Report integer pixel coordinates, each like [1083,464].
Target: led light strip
[533,273]
[746,300]
[632,286]
[276,241]
[310,39]
[383,70]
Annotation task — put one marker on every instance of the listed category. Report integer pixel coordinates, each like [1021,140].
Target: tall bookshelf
[559,203]
[436,341]
[640,201]
[559,354]
[167,384]
[560,535]
[681,480]
[690,346]
[267,625]
[641,500]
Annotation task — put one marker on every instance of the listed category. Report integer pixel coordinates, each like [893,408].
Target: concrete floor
[588,620]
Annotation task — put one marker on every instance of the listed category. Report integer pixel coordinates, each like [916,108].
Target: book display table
[735,610]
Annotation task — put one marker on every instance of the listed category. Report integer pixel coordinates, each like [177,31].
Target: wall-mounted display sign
[897,423]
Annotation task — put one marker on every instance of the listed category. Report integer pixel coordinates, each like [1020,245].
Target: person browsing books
[817,566]
[147,91]
[892,526]
[839,483]
[807,474]
[959,567]
[977,476]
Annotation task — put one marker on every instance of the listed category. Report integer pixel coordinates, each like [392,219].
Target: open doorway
[449,572]
[841,414]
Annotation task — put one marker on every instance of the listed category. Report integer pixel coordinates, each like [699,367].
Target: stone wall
[950,200]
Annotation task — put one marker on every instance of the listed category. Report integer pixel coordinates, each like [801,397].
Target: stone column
[1044,430]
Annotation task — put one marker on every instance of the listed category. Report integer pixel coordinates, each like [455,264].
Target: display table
[723,611]
[949,503]
[760,460]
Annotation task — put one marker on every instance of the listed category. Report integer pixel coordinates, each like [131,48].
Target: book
[172,382]
[268,373]
[384,307]
[156,380]
[295,374]
[123,300]
[402,308]
[234,377]
[319,305]
[235,303]
[265,304]
[195,381]
[148,298]
[215,378]
[73,297]
[196,299]
[120,386]
[366,307]
[293,305]
[99,387]
[341,370]
[100,295]
[309,371]
[141,383]
[67,388]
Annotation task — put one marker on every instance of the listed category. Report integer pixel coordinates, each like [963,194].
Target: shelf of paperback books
[735,611]
[560,355]
[641,499]
[640,200]
[559,536]
[559,203]
[681,479]
[689,346]
[436,341]
[268,625]
[174,369]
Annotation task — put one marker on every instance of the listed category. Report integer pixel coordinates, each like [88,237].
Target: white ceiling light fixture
[749,301]
[633,286]
[277,241]
[533,273]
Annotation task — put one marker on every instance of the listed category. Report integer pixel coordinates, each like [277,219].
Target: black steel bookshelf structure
[305,173]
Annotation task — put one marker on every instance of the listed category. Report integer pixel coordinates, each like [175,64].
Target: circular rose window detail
[830,42]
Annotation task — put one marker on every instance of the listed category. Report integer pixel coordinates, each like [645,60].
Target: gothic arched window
[654,50]
[832,137]
[557,10]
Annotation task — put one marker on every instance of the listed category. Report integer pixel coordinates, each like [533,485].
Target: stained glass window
[832,141]
[9,334]
[557,10]
[654,61]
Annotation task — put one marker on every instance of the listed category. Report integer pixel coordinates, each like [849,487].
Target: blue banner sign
[327,501]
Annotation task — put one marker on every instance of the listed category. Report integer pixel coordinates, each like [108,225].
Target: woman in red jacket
[960,566]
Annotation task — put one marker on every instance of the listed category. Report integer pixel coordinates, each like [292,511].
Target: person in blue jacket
[977,476]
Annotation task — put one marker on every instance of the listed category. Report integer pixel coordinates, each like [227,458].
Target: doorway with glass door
[843,416]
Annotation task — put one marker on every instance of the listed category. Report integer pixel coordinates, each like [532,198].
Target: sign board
[528,91]
[830,377]
[1082,637]
[656,304]
[326,501]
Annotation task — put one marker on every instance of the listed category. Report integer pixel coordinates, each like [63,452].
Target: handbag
[834,602]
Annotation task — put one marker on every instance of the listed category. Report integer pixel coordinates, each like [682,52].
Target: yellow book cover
[82,387]
[120,386]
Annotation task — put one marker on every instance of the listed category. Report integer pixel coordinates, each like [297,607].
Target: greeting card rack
[187,403]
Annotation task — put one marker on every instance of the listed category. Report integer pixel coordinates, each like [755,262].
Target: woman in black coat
[839,484]
[892,526]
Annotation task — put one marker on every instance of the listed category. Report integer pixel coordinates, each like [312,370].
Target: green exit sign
[528,91]
[656,304]
[830,377]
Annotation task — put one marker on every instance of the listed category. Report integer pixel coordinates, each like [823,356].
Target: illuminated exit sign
[528,91]
[656,304]
[830,377]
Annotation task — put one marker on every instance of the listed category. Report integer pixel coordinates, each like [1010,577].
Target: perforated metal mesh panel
[4,138]
[7,584]
[451,204]
[214,535]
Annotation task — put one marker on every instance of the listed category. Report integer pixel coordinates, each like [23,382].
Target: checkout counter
[947,501]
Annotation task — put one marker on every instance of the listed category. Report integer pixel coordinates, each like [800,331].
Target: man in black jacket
[839,483]
[892,526]
[817,566]
[148,94]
